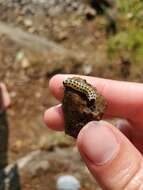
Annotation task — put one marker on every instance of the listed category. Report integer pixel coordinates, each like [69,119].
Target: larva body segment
[80,87]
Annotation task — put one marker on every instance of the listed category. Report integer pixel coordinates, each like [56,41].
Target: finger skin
[6,102]
[136,137]
[125,127]
[54,118]
[124,170]
[124,98]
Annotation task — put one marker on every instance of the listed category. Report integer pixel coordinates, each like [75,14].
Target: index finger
[124,99]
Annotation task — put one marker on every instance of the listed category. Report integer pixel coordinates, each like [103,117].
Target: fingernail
[98,143]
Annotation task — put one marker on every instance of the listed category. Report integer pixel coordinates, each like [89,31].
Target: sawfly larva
[81,87]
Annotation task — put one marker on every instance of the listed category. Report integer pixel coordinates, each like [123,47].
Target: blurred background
[38,39]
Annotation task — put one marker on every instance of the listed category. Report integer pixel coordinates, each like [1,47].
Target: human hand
[114,158]
[4,97]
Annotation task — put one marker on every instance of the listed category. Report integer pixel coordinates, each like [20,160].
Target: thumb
[110,156]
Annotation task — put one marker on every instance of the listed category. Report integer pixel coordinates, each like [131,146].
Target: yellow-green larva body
[80,87]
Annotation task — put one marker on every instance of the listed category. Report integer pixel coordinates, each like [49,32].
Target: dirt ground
[26,74]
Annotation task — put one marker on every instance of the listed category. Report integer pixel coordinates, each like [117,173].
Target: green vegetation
[128,41]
